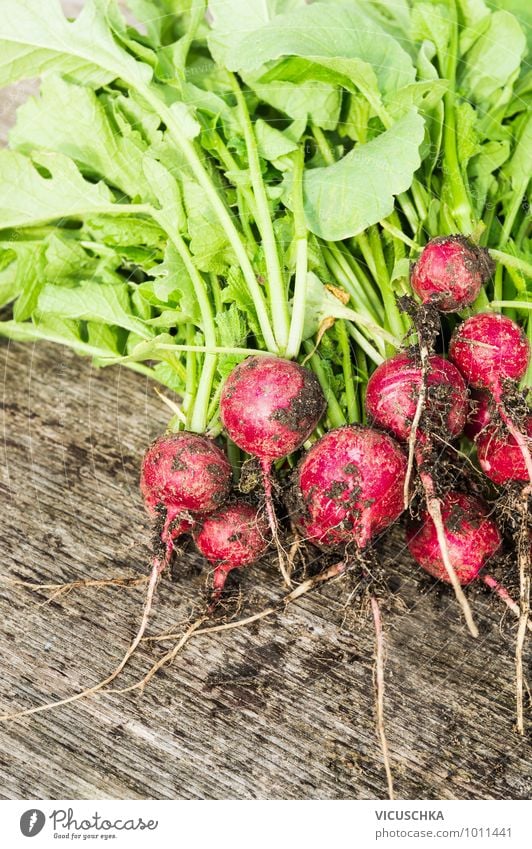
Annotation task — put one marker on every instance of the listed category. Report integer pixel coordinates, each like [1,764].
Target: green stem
[511,305]
[527,379]
[197,13]
[395,319]
[215,350]
[398,234]
[323,145]
[351,399]
[510,261]
[190,384]
[374,330]
[245,215]
[343,273]
[513,209]
[235,458]
[409,211]
[229,163]
[460,207]
[198,418]
[214,407]
[524,228]
[365,249]
[497,283]
[295,335]
[189,152]
[216,292]
[363,376]
[278,300]
[355,268]
[374,355]
[420,198]
[334,411]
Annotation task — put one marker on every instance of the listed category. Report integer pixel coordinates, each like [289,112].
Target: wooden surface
[283,709]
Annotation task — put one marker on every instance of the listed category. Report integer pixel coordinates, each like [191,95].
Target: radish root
[272,520]
[523,559]
[63,589]
[152,582]
[434,510]
[379,694]
[412,438]
[302,589]
[504,595]
[194,629]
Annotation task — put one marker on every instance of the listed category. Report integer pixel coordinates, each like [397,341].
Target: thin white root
[504,595]
[523,559]
[193,630]
[412,438]
[61,589]
[302,589]
[164,660]
[434,510]
[272,521]
[292,554]
[92,690]
[379,693]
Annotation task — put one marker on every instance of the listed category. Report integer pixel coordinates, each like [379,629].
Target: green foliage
[141,216]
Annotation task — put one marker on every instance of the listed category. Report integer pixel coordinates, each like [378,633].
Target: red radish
[186,473]
[183,474]
[492,352]
[490,349]
[350,485]
[479,416]
[415,402]
[394,388]
[451,272]
[472,538]
[232,537]
[500,456]
[270,407]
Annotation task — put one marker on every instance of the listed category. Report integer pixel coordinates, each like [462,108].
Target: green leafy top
[253,174]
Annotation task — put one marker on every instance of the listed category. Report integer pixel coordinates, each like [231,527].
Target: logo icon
[32,822]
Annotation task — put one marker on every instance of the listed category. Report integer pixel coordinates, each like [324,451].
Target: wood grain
[283,709]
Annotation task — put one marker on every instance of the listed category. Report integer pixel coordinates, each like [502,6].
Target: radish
[500,455]
[490,349]
[270,407]
[451,272]
[404,397]
[232,537]
[349,486]
[492,352]
[480,414]
[394,388]
[472,538]
[183,474]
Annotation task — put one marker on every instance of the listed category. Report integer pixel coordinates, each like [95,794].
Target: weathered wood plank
[280,710]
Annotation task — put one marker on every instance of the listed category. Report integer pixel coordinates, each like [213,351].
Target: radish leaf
[343,199]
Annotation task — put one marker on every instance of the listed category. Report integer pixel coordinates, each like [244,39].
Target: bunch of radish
[353,482]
